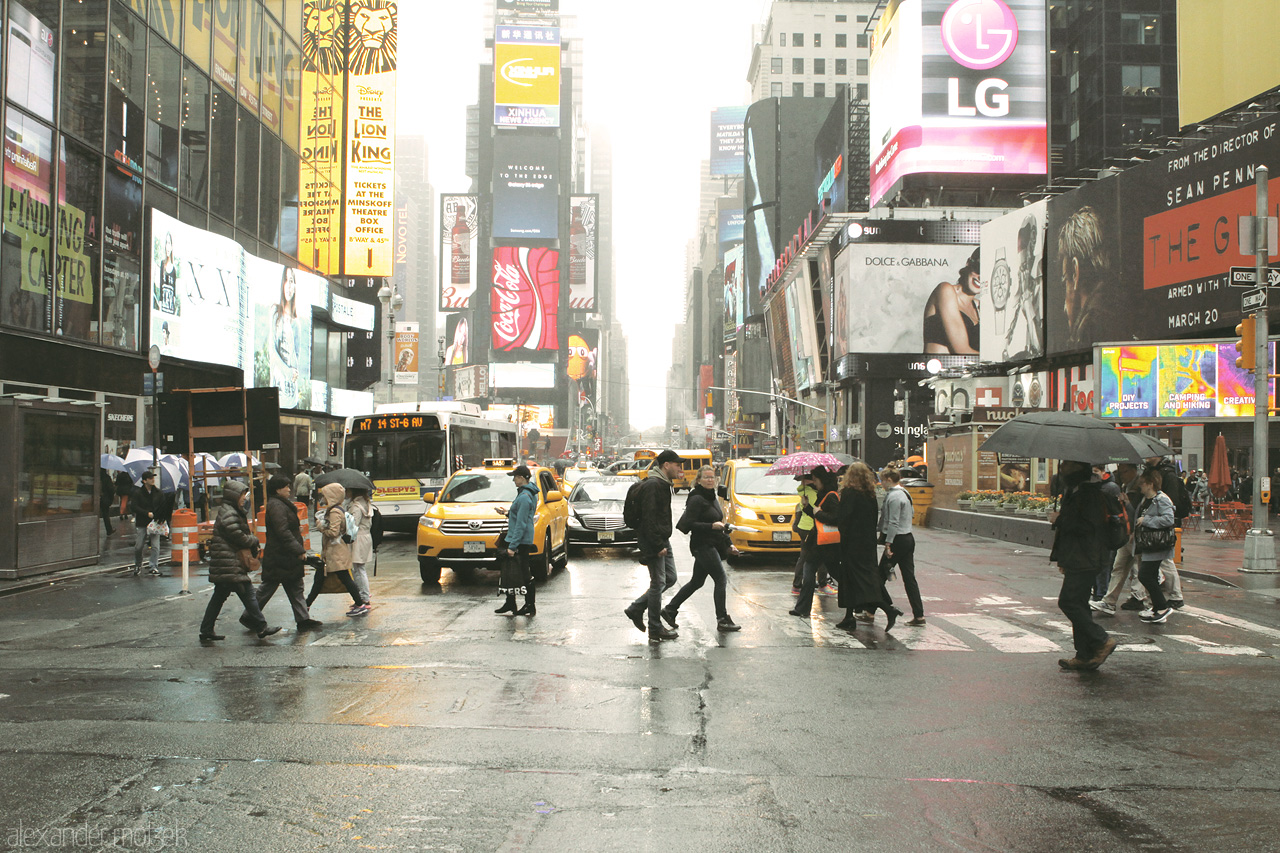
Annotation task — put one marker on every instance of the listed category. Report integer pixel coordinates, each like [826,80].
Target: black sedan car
[595,512]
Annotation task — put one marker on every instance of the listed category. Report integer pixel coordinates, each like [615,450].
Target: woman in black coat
[828,503]
[232,535]
[703,520]
[862,586]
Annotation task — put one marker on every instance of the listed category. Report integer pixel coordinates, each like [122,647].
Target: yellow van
[691,462]
[760,507]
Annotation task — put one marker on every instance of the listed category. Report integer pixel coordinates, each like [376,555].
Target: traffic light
[1245,346]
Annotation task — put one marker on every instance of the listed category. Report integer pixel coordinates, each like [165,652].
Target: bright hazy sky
[653,72]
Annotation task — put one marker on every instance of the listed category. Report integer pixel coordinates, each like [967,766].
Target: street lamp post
[391,303]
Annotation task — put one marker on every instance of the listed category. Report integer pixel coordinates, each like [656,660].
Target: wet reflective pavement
[432,724]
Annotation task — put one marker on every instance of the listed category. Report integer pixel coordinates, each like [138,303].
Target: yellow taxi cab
[691,462]
[759,506]
[461,525]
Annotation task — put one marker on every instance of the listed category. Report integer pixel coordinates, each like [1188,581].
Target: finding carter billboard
[958,86]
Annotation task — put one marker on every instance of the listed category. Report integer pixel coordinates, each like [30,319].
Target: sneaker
[1146,614]
[725,623]
[1133,604]
[155,572]
[795,590]
[1157,618]
[829,589]
[359,610]
[1102,607]
[1177,605]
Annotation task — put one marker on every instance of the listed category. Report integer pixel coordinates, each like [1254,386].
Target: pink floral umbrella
[803,463]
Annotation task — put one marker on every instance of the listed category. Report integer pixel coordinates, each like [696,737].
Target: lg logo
[979,34]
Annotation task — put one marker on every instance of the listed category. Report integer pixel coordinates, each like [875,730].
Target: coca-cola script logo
[525,299]
[979,34]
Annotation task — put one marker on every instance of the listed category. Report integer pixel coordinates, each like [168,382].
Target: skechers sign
[958,87]
[526,80]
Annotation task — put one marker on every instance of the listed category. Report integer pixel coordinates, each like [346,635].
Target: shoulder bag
[1147,540]
[828,534]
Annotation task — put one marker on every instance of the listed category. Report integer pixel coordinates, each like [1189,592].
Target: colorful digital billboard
[1012,307]
[526,76]
[582,359]
[734,297]
[583,211]
[1182,382]
[728,141]
[526,197]
[459,245]
[958,86]
[524,300]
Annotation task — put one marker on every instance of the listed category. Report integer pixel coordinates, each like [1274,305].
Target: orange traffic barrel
[304,521]
[260,527]
[183,529]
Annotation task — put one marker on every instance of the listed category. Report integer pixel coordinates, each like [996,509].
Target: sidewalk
[117,556]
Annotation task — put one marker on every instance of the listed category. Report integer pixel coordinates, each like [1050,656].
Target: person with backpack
[1178,495]
[899,541]
[1124,569]
[338,534]
[647,511]
[703,520]
[360,508]
[1079,546]
[521,523]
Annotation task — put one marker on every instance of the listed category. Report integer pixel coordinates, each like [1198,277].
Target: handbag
[158,528]
[1149,539]
[828,534]
[247,561]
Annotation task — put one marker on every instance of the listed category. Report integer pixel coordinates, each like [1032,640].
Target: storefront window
[127,88]
[272,39]
[197,31]
[84,69]
[32,45]
[269,201]
[247,172]
[291,94]
[25,268]
[164,113]
[250,45]
[222,154]
[166,18]
[78,269]
[193,165]
[59,465]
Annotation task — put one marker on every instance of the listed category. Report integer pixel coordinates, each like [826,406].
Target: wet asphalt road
[433,724]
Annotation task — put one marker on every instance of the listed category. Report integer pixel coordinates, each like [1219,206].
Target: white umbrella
[172,473]
[111,462]
[137,461]
[207,462]
[238,460]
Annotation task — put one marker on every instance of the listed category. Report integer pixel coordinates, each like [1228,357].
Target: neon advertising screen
[1176,382]
[525,300]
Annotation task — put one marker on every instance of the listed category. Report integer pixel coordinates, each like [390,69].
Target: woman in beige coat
[335,552]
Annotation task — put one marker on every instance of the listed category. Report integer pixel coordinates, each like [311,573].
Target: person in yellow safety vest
[802,526]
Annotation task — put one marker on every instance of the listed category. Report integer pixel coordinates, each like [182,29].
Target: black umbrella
[1146,445]
[1062,435]
[348,478]
[311,460]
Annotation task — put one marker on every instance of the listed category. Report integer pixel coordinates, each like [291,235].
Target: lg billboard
[958,86]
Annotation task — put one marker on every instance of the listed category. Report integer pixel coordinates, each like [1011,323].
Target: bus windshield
[479,488]
[754,481]
[407,454]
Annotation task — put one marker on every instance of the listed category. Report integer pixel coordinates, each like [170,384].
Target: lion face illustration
[322,36]
[373,37]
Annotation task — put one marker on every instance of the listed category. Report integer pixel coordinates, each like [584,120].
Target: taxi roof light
[500,463]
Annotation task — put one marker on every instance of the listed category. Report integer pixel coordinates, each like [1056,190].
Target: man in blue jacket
[521,518]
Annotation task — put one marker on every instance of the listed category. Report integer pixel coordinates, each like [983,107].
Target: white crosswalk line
[1214,648]
[1001,635]
[1235,622]
[930,638]
[1121,644]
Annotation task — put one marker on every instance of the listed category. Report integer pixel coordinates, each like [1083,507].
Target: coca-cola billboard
[525,299]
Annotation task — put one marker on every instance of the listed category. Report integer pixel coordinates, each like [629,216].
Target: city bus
[409,449]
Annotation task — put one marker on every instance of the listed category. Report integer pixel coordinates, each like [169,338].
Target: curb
[1207,577]
[42,581]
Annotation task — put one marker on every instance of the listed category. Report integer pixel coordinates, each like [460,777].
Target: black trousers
[347,581]
[252,616]
[293,590]
[1149,577]
[706,564]
[1073,601]
[904,555]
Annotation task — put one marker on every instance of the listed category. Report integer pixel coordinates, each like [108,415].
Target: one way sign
[1248,277]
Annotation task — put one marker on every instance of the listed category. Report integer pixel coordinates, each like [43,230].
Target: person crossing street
[654,541]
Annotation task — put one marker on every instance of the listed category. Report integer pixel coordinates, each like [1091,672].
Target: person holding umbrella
[826,538]
[1079,546]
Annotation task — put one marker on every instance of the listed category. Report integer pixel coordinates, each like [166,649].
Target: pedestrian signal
[1245,345]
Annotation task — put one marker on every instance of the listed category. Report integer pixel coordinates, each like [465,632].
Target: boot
[509,606]
[528,609]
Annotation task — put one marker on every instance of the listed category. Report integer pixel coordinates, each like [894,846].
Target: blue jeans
[140,545]
[662,576]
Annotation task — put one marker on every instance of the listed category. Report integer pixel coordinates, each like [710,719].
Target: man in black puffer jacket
[282,560]
[653,538]
[231,536]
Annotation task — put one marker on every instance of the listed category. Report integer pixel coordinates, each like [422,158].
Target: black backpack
[631,506]
[376,529]
[1119,528]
